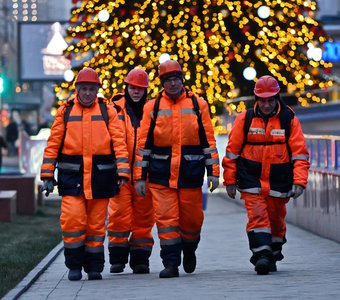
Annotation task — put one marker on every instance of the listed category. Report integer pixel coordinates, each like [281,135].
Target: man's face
[136,93]
[87,93]
[267,105]
[173,86]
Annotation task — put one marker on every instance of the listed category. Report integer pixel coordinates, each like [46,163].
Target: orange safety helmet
[267,86]
[137,77]
[168,67]
[87,75]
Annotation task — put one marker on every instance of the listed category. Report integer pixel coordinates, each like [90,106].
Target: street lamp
[249,73]
[164,57]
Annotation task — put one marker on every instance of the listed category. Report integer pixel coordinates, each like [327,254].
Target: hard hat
[168,67]
[87,75]
[137,77]
[266,86]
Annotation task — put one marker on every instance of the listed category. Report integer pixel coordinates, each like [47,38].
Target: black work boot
[141,269]
[272,267]
[117,268]
[74,275]
[118,257]
[139,261]
[189,262]
[169,272]
[74,261]
[171,258]
[94,276]
[189,256]
[262,265]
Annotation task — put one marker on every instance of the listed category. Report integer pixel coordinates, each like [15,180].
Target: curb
[33,275]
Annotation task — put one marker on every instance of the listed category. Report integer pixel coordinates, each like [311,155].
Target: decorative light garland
[213,40]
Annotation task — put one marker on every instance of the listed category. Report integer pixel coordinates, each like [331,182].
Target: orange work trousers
[130,223]
[179,218]
[266,212]
[177,209]
[266,227]
[83,228]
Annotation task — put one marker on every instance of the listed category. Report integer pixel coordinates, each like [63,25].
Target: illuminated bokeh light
[213,40]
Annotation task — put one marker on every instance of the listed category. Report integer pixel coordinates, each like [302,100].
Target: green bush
[26,241]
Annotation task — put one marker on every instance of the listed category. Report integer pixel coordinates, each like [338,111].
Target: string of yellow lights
[215,41]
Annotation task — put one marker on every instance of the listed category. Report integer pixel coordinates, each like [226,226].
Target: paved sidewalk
[311,269]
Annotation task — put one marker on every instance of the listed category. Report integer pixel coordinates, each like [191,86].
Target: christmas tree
[222,46]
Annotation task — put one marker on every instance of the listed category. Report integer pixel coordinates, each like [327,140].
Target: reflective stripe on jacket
[265,164]
[171,154]
[86,163]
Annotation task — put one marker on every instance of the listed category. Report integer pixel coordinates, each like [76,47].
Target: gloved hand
[48,186]
[141,188]
[231,190]
[297,191]
[212,182]
[122,181]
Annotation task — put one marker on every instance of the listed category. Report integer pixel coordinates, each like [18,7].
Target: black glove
[297,191]
[141,188]
[231,190]
[48,186]
[212,182]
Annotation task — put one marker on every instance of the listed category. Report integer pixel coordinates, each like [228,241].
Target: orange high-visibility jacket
[128,212]
[131,132]
[90,155]
[266,164]
[172,154]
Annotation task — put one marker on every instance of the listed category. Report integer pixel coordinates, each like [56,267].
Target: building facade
[25,97]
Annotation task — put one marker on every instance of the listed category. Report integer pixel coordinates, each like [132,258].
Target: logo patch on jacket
[278,132]
[256,131]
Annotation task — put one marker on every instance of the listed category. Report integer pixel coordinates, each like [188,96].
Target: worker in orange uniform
[130,215]
[267,161]
[176,145]
[87,145]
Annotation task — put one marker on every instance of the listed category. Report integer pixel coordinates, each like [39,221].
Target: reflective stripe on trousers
[178,213]
[130,214]
[83,222]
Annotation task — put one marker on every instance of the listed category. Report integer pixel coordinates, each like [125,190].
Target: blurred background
[223,47]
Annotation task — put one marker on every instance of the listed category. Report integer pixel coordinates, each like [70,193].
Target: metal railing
[323,152]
